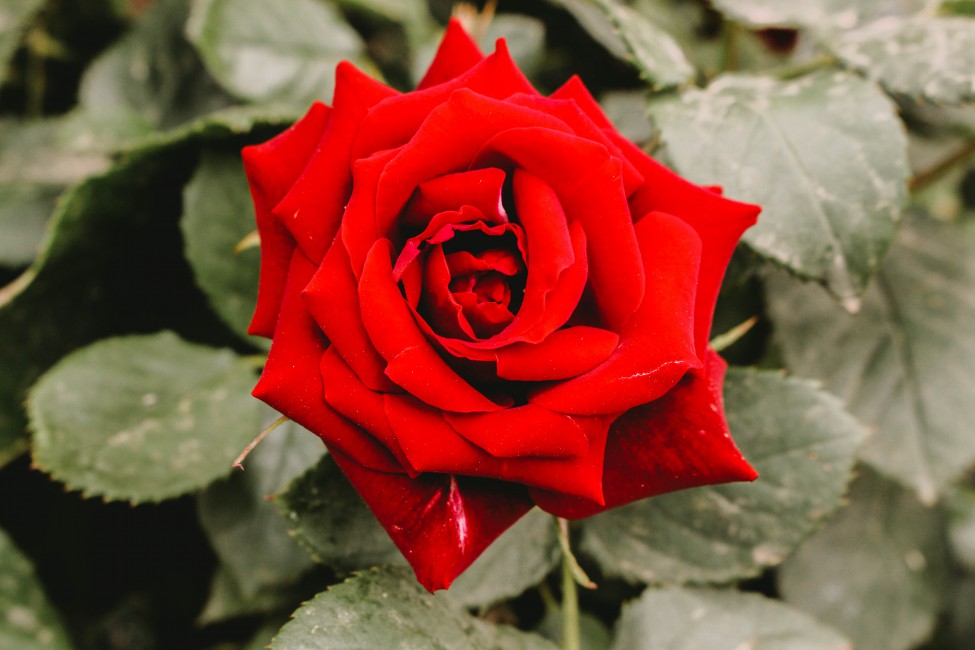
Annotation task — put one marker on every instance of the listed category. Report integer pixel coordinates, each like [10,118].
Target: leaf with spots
[332,521]
[802,443]
[903,365]
[386,608]
[877,572]
[925,58]
[819,15]
[708,618]
[27,620]
[142,418]
[824,155]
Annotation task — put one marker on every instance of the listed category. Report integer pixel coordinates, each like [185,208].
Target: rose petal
[395,121]
[656,345]
[440,523]
[587,180]
[432,445]
[478,188]
[313,208]
[521,432]
[574,89]
[564,353]
[359,229]
[583,126]
[355,402]
[445,143]
[290,382]
[332,297]
[457,54]
[413,364]
[443,312]
[718,221]
[271,170]
[677,442]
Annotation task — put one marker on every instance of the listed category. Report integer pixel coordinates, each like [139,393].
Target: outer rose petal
[271,169]
[290,382]
[441,523]
[313,207]
[656,345]
[457,54]
[718,221]
[677,442]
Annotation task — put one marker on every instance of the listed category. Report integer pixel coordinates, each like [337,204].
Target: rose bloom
[483,299]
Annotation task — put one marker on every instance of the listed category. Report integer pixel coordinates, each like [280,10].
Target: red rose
[483,299]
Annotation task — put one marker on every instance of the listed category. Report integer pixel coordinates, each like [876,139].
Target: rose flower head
[484,300]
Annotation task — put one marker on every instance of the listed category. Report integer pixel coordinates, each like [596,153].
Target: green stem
[570,607]
[572,575]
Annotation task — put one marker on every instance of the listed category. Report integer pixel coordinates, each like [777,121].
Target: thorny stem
[239,462]
[572,574]
[924,178]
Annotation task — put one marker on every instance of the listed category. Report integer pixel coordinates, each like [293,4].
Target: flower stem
[572,574]
[570,608]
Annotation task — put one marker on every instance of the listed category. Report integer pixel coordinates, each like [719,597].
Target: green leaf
[903,365]
[217,215]
[14,17]
[283,51]
[28,622]
[517,560]
[877,572]
[36,165]
[150,79]
[925,58]
[386,608]
[244,528]
[708,618]
[802,443]
[142,418]
[631,36]
[821,15]
[330,519]
[111,262]
[824,155]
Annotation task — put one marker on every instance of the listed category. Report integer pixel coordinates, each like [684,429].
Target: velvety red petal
[412,362]
[583,126]
[445,143]
[457,54]
[522,432]
[677,442]
[440,523]
[718,221]
[359,229]
[332,297]
[432,445]
[576,91]
[291,381]
[313,208]
[656,345]
[393,122]
[564,353]
[271,169]
[361,406]
[478,188]
[588,182]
